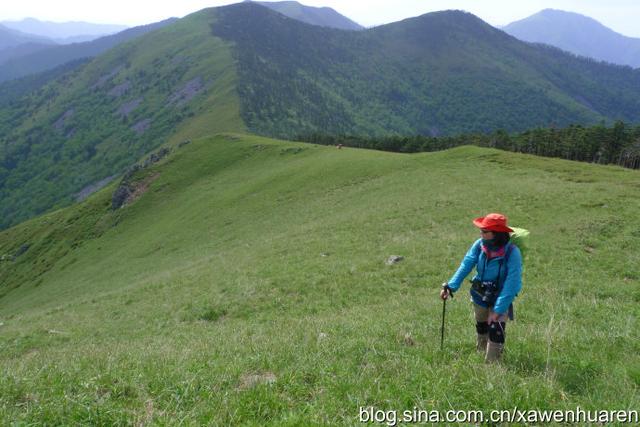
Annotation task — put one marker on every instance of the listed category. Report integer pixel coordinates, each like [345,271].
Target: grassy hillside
[97,120]
[248,285]
[246,67]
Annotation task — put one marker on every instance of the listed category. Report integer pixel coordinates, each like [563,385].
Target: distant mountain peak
[10,38]
[320,16]
[578,34]
[550,10]
[455,16]
[58,30]
[435,25]
[563,14]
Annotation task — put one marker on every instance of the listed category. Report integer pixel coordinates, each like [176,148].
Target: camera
[488,290]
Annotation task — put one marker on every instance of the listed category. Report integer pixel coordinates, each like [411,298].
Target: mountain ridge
[578,34]
[321,16]
[62,30]
[246,68]
[26,60]
[10,38]
[487,59]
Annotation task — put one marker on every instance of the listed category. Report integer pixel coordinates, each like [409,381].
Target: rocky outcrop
[119,90]
[129,189]
[394,259]
[62,120]
[128,107]
[188,91]
[156,157]
[21,250]
[106,77]
[92,188]
[142,126]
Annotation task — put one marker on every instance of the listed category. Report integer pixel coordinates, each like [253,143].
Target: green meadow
[248,285]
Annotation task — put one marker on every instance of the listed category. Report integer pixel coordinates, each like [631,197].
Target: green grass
[42,167]
[256,71]
[248,285]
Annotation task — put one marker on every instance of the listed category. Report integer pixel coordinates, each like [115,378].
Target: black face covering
[489,244]
[499,240]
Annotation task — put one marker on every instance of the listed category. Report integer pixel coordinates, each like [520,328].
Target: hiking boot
[494,352]
[481,343]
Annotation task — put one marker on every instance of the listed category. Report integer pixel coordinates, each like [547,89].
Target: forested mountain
[322,16]
[12,91]
[246,67]
[440,73]
[618,144]
[26,60]
[10,38]
[23,49]
[578,34]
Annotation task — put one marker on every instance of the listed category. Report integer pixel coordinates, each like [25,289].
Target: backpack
[520,237]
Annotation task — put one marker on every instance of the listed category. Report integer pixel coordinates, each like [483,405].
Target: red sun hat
[493,222]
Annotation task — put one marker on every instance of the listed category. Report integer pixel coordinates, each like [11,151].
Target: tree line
[618,144]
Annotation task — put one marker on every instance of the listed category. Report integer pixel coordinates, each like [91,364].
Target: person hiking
[497,281]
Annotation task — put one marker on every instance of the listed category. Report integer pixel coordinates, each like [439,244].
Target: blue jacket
[510,274]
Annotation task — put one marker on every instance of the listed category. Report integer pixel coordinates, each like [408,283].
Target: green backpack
[520,237]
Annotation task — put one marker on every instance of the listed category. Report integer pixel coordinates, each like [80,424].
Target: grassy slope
[217,273]
[50,167]
[441,73]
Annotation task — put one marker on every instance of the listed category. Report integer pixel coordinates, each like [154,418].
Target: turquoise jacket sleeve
[512,282]
[470,260]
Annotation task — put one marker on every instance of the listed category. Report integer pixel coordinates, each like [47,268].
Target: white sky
[622,16]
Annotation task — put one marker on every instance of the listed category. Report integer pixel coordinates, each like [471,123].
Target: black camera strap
[500,264]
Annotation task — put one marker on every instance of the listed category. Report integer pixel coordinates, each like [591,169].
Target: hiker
[497,281]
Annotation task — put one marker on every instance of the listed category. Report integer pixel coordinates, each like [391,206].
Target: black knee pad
[496,332]
[482,328]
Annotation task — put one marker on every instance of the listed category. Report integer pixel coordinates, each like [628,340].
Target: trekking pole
[444,309]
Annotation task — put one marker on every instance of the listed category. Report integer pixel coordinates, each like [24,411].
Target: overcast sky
[620,15]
